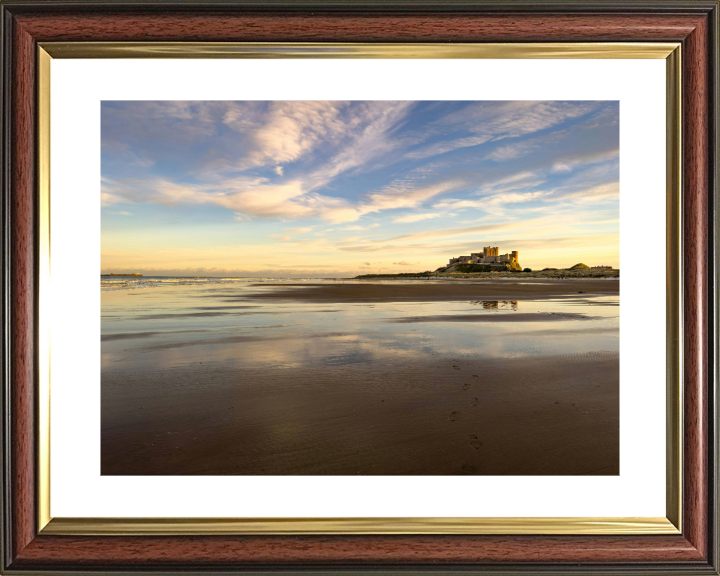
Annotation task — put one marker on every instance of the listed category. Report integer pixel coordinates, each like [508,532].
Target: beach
[339,377]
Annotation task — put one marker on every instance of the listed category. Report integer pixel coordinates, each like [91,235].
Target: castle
[489,255]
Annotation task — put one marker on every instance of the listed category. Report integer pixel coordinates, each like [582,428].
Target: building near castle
[489,255]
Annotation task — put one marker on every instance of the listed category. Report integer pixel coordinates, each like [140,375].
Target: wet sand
[505,318]
[488,378]
[538,416]
[428,291]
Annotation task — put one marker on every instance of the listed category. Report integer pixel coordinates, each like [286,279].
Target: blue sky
[293,188]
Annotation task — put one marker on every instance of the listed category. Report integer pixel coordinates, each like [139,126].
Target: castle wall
[489,255]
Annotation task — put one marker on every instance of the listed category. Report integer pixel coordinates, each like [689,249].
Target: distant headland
[490,264]
[126,274]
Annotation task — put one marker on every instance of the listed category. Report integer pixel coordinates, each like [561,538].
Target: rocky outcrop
[460,268]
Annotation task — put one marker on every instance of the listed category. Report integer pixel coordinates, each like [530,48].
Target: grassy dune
[548,273]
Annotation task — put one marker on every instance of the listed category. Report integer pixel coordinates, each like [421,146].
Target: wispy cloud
[418,217]
[447,146]
[501,120]
[495,200]
[362,227]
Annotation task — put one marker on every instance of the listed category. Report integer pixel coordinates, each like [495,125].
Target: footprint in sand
[474,401]
[465,386]
[456,367]
[474,442]
[476,376]
[454,416]
[467,468]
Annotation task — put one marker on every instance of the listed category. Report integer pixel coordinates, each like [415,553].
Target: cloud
[368,138]
[108,199]
[402,263]
[362,227]
[512,151]
[267,200]
[449,232]
[510,183]
[145,134]
[516,118]
[257,198]
[393,197]
[416,217]
[493,121]
[350,135]
[284,133]
[525,147]
[447,146]
[288,130]
[494,200]
[290,200]
[219,138]
[121,151]
[603,192]
[514,198]
[317,172]
[245,197]
[526,234]
[570,163]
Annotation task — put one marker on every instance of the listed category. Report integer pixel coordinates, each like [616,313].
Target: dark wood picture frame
[693,23]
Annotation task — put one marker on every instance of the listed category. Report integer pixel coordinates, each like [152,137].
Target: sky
[337,189]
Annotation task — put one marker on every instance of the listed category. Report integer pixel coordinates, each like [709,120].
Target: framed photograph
[359,305]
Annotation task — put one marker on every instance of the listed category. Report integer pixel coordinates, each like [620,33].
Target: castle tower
[514,255]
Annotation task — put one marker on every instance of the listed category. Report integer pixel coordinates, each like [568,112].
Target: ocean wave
[136,282]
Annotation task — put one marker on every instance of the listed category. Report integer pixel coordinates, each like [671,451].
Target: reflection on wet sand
[283,385]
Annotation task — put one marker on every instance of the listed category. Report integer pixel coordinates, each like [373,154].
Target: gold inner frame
[671,524]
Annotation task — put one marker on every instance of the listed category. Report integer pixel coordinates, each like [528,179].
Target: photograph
[361,287]
[359,301]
